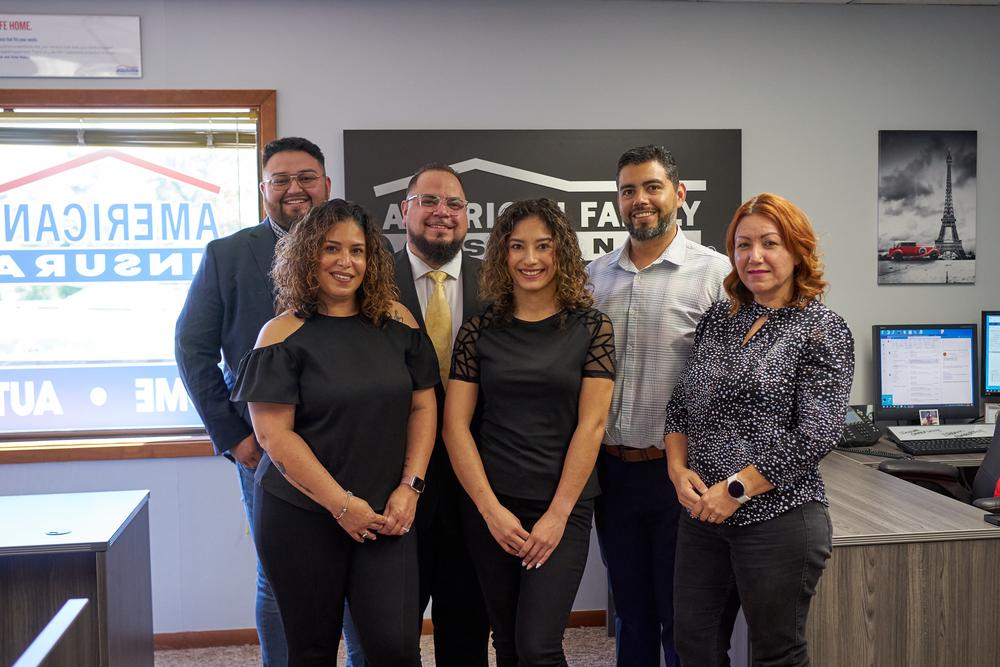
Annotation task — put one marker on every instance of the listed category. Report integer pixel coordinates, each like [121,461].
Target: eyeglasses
[283,181]
[432,201]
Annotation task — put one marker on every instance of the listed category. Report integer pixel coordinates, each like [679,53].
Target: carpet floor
[585,647]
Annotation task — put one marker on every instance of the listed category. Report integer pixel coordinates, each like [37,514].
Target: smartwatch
[737,490]
[414,483]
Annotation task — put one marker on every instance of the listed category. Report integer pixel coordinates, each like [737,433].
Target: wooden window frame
[82,446]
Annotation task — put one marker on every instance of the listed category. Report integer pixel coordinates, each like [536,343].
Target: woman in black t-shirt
[340,391]
[540,361]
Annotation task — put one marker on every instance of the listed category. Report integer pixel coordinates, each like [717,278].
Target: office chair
[947,479]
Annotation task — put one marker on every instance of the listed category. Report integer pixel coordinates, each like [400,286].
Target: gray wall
[810,86]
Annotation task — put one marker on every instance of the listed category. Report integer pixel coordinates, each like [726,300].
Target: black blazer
[439,468]
[230,299]
[471,305]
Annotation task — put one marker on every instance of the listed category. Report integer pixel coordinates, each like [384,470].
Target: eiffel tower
[952,248]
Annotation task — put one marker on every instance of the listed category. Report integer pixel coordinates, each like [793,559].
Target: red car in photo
[912,250]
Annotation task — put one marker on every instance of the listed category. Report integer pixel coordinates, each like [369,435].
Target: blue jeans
[770,568]
[352,643]
[273,649]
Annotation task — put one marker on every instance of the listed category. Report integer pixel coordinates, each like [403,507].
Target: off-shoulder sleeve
[465,357]
[268,375]
[421,360]
[600,362]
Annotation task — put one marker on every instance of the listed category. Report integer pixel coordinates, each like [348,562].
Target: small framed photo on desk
[992,410]
[929,418]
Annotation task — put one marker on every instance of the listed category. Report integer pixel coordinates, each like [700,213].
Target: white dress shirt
[654,312]
[452,286]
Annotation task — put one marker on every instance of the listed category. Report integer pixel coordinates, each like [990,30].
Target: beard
[437,253]
[663,225]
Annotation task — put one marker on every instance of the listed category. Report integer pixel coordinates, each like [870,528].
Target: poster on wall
[97,249]
[51,45]
[926,207]
[573,167]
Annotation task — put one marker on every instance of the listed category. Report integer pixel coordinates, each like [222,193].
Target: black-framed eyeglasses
[284,181]
[432,201]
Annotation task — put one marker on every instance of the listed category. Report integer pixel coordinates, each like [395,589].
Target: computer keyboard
[870,451]
[946,446]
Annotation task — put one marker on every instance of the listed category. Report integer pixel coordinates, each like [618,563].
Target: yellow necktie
[438,320]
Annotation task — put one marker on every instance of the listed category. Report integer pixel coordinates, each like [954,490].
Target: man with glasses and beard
[230,299]
[654,288]
[439,285]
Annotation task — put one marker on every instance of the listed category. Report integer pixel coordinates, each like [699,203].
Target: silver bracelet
[347,501]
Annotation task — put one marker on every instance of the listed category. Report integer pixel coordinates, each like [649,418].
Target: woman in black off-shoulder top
[540,362]
[340,390]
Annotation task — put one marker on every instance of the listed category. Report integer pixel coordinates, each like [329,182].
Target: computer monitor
[925,366]
[991,353]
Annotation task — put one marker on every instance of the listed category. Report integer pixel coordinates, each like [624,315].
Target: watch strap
[414,482]
[743,497]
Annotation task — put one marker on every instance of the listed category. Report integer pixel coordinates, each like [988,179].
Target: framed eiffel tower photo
[926,207]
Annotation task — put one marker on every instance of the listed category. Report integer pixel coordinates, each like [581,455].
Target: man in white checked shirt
[440,285]
[654,288]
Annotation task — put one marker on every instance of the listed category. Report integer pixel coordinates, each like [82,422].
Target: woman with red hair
[761,401]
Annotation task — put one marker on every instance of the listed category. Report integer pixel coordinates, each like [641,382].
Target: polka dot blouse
[777,402]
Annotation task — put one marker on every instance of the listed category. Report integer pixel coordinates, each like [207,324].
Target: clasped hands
[712,504]
[532,548]
[361,522]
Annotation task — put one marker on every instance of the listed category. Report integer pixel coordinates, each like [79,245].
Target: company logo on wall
[573,167]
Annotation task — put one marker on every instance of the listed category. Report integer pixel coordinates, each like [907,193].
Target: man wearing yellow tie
[439,284]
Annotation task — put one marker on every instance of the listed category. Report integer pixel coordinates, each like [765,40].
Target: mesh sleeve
[465,357]
[600,361]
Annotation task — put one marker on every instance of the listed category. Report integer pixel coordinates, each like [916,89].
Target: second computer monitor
[991,353]
[925,367]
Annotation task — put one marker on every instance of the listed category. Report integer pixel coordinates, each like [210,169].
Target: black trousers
[461,626]
[529,609]
[772,568]
[314,566]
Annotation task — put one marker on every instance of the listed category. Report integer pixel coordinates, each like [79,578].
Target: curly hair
[296,263]
[797,234]
[495,282]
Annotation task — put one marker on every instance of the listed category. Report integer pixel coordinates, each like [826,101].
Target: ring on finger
[364,535]
[406,529]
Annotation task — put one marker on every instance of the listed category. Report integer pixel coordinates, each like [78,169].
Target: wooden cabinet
[77,545]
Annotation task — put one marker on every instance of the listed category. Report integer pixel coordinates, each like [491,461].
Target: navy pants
[636,520]
[770,567]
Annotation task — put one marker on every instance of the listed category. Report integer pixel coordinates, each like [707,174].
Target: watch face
[417,484]
[736,488]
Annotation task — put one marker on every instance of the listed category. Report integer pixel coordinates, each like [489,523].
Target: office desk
[914,578]
[957,460]
[98,549]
